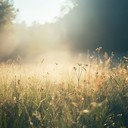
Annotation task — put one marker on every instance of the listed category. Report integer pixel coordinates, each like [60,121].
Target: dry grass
[87,95]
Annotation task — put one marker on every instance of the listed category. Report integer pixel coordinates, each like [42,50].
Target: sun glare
[40,11]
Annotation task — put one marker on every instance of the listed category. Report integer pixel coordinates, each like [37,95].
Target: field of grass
[83,95]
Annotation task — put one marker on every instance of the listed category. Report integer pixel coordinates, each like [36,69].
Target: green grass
[87,96]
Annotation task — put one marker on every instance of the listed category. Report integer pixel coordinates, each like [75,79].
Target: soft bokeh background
[72,27]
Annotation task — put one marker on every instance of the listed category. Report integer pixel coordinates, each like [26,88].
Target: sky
[40,11]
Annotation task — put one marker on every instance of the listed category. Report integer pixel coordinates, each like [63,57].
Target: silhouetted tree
[7,12]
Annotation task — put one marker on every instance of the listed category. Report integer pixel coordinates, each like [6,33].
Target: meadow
[90,94]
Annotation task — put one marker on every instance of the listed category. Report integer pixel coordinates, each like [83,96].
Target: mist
[33,42]
[87,26]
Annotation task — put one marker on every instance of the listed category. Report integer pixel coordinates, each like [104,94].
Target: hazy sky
[39,10]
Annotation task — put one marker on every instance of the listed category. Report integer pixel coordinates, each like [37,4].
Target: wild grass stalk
[28,101]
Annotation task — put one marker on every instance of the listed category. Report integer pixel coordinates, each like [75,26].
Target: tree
[7,12]
[7,15]
[94,23]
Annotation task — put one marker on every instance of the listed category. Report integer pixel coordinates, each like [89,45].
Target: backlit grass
[84,95]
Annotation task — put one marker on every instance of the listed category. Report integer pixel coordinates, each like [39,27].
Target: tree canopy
[7,12]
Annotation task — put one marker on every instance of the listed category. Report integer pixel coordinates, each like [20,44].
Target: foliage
[7,12]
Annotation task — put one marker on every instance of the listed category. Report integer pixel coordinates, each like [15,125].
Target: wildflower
[97,73]
[86,111]
[86,65]
[75,68]
[31,123]
[79,64]
[93,104]
[126,79]
[37,115]
[82,99]
[100,104]
[98,49]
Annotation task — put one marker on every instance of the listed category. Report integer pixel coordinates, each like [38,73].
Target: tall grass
[90,95]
